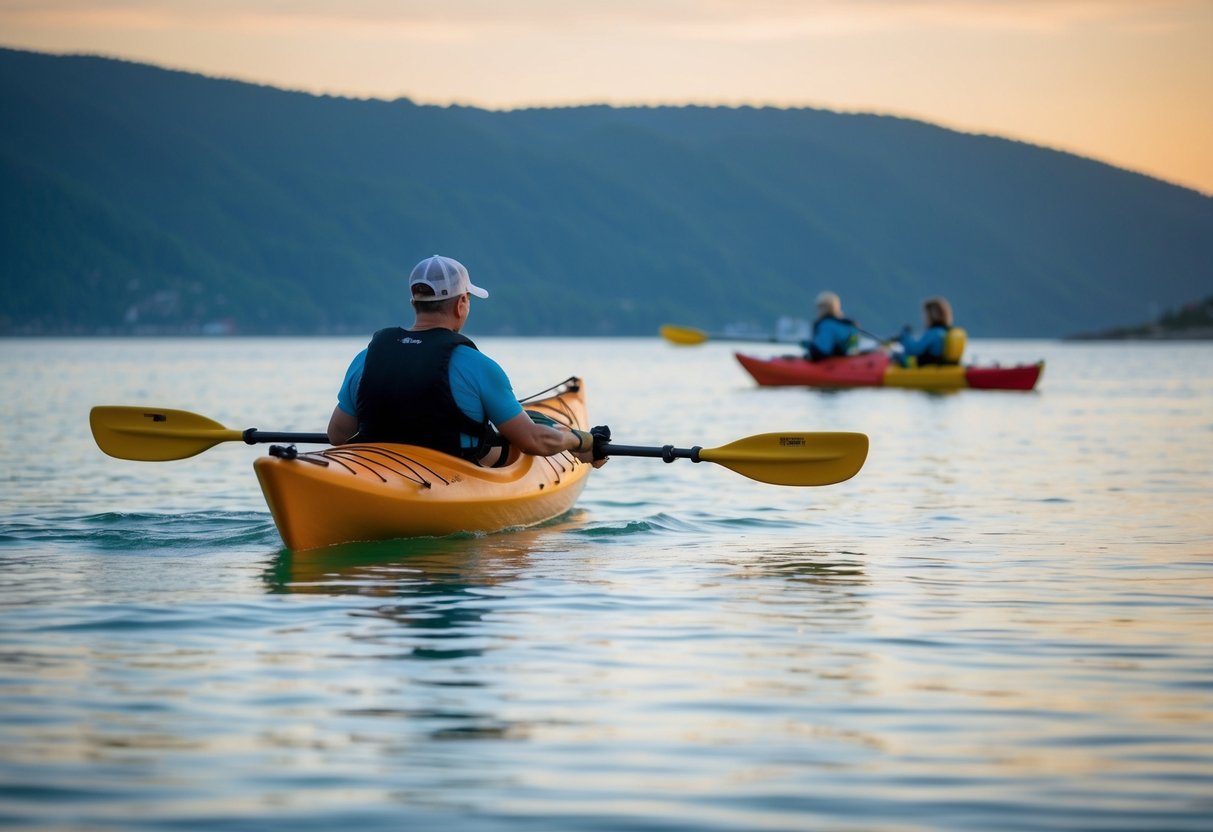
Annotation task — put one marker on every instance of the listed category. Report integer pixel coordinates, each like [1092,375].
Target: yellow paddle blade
[683,335]
[155,434]
[818,458]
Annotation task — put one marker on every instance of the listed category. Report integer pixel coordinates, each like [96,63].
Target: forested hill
[134,199]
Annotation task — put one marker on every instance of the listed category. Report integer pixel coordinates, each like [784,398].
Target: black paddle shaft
[667,453]
[252,436]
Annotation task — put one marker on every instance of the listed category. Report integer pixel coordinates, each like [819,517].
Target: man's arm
[342,426]
[531,437]
[541,440]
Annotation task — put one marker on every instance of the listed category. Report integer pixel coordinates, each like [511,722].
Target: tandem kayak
[874,369]
[381,491]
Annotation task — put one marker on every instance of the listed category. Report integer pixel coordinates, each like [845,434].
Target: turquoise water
[1004,622]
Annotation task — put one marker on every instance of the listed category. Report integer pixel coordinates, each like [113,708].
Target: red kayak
[874,369]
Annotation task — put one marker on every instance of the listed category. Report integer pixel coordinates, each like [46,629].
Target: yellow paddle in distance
[685,336]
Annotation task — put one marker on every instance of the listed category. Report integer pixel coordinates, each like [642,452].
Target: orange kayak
[381,491]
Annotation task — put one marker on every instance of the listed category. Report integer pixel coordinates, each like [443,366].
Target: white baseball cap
[446,276]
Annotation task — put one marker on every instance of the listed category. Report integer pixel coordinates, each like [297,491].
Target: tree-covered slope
[138,199]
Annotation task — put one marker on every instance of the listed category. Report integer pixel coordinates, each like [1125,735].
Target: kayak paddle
[818,458]
[815,458]
[686,336]
[157,434]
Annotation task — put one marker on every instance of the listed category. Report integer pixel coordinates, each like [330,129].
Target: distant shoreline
[1195,334]
[1194,322]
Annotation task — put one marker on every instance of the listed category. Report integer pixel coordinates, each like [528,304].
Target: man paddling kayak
[430,386]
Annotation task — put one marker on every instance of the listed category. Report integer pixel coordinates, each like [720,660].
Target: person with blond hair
[832,333]
[928,348]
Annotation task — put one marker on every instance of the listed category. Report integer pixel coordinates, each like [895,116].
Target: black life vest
[405,395]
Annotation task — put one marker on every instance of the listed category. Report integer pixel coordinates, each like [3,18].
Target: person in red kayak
[430,386]
[832,334]
[928,348]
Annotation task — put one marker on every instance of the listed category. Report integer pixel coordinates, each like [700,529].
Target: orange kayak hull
[382,491]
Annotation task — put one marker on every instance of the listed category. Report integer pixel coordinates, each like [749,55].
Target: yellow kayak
[382,491]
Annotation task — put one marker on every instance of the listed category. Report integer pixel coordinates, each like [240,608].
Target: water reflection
[382,566]
[834,579]
[440,585]
[397,567]
[434,611]
[826,570]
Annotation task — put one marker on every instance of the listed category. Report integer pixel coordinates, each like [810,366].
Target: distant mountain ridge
[137,199]
[1192,322]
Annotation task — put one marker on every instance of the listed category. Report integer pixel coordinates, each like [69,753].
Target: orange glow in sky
[1129,82]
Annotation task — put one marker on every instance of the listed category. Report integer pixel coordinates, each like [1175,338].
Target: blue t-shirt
[480,387]
[929,343]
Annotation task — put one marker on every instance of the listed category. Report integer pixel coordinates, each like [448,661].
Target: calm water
[1004,622]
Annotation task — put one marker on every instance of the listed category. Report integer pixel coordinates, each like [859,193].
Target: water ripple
[1002,623]
[135,532]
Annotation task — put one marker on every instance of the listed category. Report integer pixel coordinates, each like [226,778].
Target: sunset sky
[1128,82]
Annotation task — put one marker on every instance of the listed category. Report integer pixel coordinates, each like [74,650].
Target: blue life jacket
[933,353]
[832,336]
